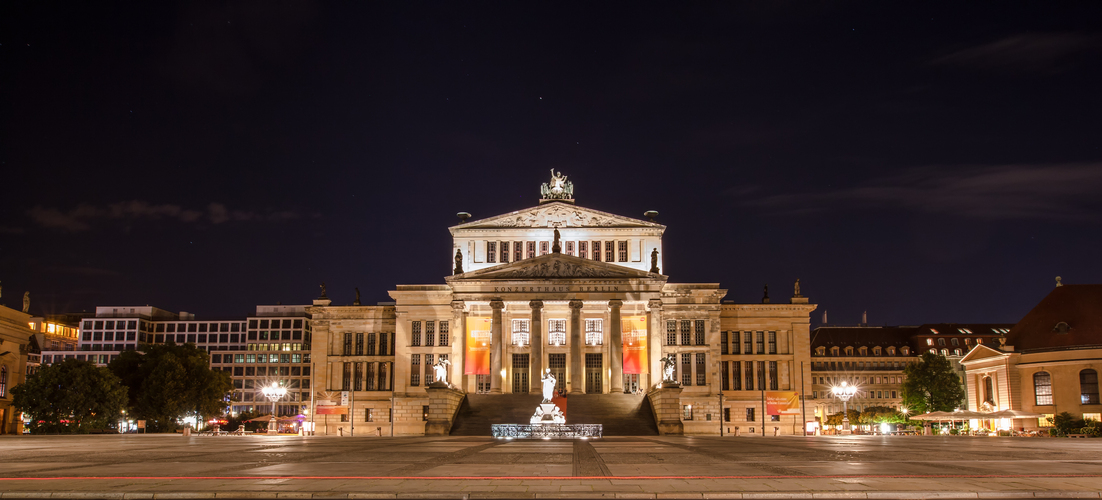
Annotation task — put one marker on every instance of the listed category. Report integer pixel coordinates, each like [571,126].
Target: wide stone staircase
[620,414]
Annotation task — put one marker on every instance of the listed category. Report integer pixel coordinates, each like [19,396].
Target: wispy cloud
[1026,52]
[1067,191]
[83,216]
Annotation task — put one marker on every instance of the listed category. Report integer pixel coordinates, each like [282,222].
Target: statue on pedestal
[27,302]
[556,247]
[440,371]
[548,380]
[357,302]
[669,364]
[654,261]
[323,296]
[797,294]
[458,262]
[558,188]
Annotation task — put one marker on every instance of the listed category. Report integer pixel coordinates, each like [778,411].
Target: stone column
[616,347]
[536,358]
[577,349]
[458,333]
[654,342]
[495,346]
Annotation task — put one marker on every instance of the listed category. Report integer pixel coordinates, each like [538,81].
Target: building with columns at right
[572,293]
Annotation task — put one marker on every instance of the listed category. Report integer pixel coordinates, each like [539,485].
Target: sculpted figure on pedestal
[669,363]
[458,262]
[27,302]
[549,382]
[440,370]
[654,261]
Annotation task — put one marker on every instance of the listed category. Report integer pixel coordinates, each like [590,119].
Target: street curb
[772,495]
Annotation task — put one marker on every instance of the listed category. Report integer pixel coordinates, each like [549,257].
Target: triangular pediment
[982,352]
[554,265]
[556,214]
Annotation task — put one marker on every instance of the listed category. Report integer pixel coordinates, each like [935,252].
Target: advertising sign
[477,360]
[331,410]
[633,334]
[782,403]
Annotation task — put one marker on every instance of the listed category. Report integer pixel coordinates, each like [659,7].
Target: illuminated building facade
[15,342]
[576,291]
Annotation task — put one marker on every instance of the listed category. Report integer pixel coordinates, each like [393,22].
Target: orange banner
[477,360]
[782,403]
[332,410]
[633,334]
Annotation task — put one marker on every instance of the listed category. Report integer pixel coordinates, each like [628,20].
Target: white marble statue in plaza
[549,381]
[669,363]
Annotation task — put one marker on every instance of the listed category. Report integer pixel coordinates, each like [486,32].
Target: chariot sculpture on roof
[558,188]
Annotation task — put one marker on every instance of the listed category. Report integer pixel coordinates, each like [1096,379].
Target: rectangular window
[369,416]
[443,334]
[594,332]
[521,334]
[428,369]
[622,251]
[699,331]
[371,344]
[609,257]
[543,248]
[687,412]
[686,369]
[491,252]
[761,375]
[570,248]
[369,376]
[358,377]
[701,371]
[346,377]
[505,252]
[736,376]
[772,342]
[415,370]
[531,246]
[415,334]
[726,414]
[347,351]
[425,413]
[671,333]
[596,250]
[518,251]
[773,375]
[748,345]
[359,344]
[556,332]
[384,348]
[583,249]
[736,346]
[430,333]
[725,375]
[750,414]
[686,332]
[749,375]
[1042,388]
[759,337]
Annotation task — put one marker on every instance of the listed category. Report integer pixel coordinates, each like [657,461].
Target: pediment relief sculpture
[556,266]
[557,215]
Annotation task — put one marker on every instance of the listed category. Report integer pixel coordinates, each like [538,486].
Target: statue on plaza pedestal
[440,370]
[548,380]
[27,302]
[458,262]
[669,364]
[654,261]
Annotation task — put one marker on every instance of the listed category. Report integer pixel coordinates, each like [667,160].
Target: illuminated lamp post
[844,392]
[274,393]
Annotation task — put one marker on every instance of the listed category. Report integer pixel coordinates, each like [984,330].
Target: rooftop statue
[458,262]
[558,188]
[27,302]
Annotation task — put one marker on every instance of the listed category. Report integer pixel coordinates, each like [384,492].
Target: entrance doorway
[520,374]
[482,384]
[593,367]
[557,364]
[631,383]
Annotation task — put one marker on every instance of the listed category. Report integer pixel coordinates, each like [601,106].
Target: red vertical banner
[477,359]
[633,334]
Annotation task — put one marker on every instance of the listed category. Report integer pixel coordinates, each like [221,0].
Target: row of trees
[929,385]
[161,385]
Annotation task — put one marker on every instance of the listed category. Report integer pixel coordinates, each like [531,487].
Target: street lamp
[844,392]
[274,393]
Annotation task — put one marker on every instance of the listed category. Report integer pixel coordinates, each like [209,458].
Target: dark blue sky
[927,162]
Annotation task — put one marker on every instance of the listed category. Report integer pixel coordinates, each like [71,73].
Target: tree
[931,385]
[836,419]
[70,397]
[880,415]
[168,382]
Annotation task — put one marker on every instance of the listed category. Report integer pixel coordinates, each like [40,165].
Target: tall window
[686,412]
[428,369]
[369,378]
[759,337]
[686,369]
[583,247]
[505,252]
[988,390]
[543,248]
[622,250]
[414,370]
[686,332]
[671,333]
[701,370]
[570,248]
[531,248]
[520,332]
[698,328]
[415,334]
[518,251]
[371,344]
[556,332]
[346,377]
[594,332]
[1088,387]
[347,351]
[596,250]
[491,252]
[761,375]
[736,376]
[725,375]
[430,333]
[357,377]
[772,375]
[443,334]
[723,349]
[359,344]
[772,342]
[750,414]
[749,375]
[609,252]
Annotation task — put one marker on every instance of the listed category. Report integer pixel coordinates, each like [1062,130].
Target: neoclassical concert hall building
[581,293]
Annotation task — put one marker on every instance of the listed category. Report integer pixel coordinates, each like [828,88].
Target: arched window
[945,352]
[1042,388]
[956,352]
[941,341]
[1088,387]
[933,351]
[955,341]
[988,391]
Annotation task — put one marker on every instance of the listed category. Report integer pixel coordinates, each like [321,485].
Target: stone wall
[444,403]
[409,416]
[666,404]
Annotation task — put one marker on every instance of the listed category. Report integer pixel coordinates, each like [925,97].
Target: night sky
[924,162]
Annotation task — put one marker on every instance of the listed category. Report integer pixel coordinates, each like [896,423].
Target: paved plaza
[172,466]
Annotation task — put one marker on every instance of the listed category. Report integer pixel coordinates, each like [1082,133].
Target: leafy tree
[880,415]
[1066,423]
[168,382]
[72,396]
[931,385]
[836,419]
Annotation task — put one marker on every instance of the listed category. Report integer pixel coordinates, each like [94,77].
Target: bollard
[379,431]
